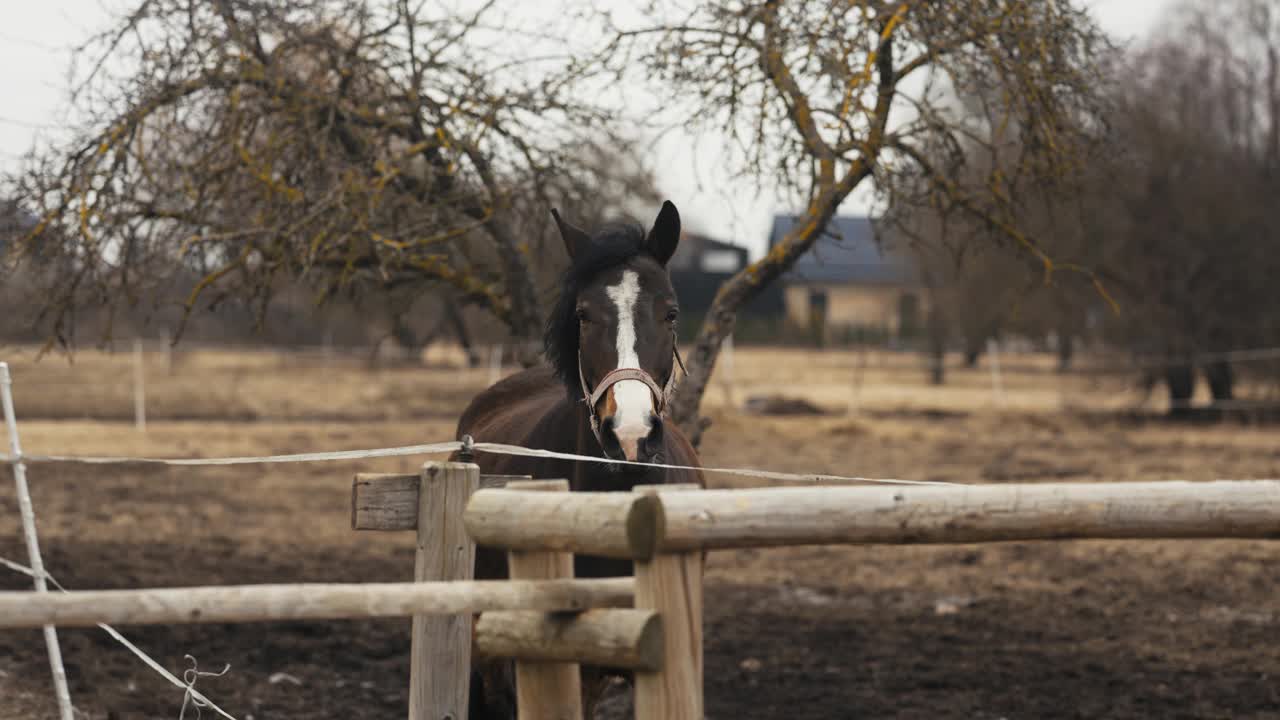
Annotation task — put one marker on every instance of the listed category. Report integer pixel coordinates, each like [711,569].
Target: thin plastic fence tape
[746,472]
[17,568]
[452,446]
[301,457]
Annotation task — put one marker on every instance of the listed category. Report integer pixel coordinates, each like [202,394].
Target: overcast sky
[34,54]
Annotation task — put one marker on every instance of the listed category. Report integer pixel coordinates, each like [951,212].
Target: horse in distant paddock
[611,347]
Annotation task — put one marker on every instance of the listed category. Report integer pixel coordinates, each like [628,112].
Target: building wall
[857,306]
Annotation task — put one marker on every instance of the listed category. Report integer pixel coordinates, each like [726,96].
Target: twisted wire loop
[191,698]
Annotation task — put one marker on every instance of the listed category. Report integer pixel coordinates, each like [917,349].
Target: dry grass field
[1017,630]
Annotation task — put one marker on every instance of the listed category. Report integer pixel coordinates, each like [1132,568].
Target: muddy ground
[1018,630]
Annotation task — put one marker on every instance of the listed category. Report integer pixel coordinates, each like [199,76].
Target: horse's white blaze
[632,397]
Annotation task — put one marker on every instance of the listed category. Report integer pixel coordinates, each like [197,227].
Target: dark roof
[846,253]
[693,246]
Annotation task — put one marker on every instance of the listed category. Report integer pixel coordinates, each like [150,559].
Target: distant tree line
[1177,218]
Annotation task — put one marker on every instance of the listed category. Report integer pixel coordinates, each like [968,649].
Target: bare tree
[822,96]
[342,143]
[1195,215]
[1177,215]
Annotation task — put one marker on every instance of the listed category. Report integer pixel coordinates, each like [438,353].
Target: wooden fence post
[139,387]
[440,659]
[671,584]
[545,690]
[997,381]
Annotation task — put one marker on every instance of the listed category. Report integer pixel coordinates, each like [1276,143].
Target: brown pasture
[1114,629]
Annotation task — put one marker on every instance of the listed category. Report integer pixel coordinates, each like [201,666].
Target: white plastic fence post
[997,383]
[855,388]
[166,340]
[495,364]
[33,544]
[139,388]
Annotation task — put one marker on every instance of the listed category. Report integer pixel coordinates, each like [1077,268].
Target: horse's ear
[575,238]
[665,234]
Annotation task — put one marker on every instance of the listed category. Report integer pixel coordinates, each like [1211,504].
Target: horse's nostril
[655,429]
[651,445]
[609,441]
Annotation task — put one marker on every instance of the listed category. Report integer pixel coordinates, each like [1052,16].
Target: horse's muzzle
[630,446]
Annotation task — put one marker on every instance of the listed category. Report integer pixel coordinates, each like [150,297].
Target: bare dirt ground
[1018,630]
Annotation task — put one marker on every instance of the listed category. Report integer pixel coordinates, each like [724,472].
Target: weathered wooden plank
[383,501]
[305,601]
[608,524]
[671,585]
[762,517]
[440,645]
[389,501]
[628,639]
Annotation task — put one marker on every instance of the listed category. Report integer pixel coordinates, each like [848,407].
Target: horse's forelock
[612,246]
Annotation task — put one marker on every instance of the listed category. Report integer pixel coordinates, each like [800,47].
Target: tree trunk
[407,339]
[937,346]
[737,291]
[1221,378]
[972,351]
[1066,350]
[525,319]
[454,314]
[829,190]
[1182,385]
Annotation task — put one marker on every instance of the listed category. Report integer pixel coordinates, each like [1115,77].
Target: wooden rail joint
[389,501]
[603,524]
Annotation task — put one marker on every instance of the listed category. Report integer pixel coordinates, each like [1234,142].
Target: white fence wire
[454,446]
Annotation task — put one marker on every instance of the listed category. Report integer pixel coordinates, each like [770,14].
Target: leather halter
[660,395]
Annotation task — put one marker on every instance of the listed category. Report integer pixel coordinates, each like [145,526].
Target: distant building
[847,285]
[700,266]
[14,223]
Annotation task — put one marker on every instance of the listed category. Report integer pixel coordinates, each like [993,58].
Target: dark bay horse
[610,344]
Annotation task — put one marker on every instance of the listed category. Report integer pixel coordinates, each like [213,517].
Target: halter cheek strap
[660,395]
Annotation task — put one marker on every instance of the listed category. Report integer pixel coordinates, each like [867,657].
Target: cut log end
[625,639]
[644,527]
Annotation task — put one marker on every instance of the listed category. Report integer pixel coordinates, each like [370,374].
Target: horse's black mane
[611,246]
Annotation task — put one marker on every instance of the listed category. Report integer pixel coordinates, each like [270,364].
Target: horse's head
[611,337]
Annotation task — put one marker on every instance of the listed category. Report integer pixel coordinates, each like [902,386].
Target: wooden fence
[651,623]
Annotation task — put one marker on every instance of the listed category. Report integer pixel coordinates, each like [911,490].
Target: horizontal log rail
[609,524]
[716,519]
[307,601]
[596,524]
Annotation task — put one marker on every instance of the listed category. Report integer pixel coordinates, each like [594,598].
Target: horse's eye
[582,315]
[672,314]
